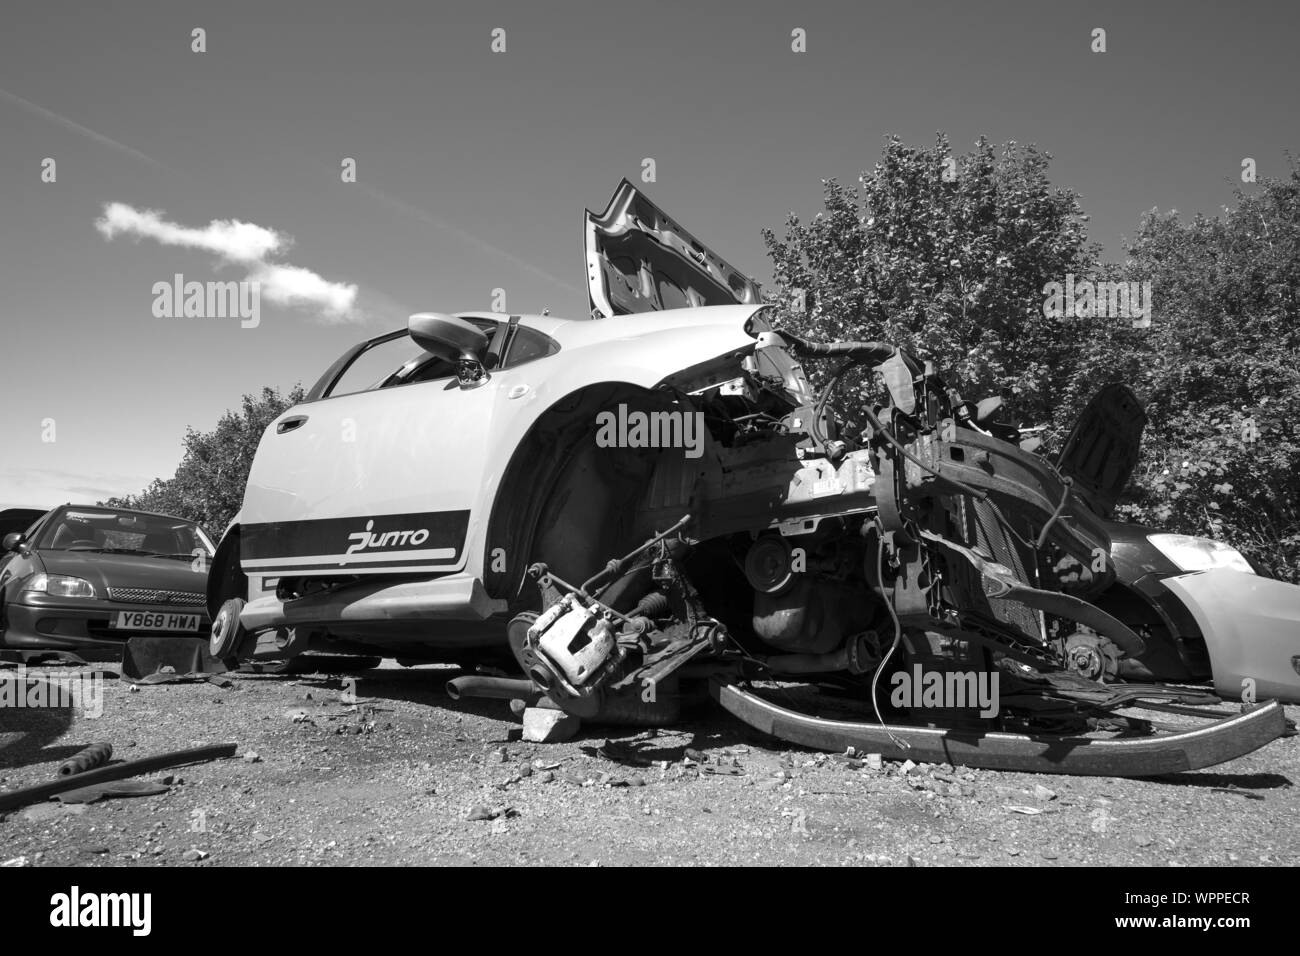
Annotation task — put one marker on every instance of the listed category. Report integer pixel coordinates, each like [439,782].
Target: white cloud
[229,238]
[292,286]
[239,243]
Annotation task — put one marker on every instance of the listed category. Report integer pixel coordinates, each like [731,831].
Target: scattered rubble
[447,787]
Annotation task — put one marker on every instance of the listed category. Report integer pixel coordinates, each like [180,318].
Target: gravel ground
[407,776]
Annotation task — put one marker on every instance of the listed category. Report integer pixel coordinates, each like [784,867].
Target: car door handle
[289,424]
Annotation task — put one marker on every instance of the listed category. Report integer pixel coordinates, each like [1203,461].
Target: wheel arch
[1178,651]
[226,579]
[532,497]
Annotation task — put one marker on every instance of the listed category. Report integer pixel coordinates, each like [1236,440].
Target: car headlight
[60,585]
[1191,553]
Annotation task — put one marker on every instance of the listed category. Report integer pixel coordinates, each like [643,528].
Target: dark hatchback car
[83,579]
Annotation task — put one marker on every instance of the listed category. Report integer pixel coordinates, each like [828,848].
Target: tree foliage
[946,255]
[208,486]
[1220,371]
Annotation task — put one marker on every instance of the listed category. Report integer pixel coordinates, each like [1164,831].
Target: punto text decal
[372,539]
[364,542]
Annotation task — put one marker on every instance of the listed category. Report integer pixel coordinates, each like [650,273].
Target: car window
[374,366]
[527,345]
[95,529]
[398,361]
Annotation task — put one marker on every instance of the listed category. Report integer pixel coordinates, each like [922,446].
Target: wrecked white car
[651,501]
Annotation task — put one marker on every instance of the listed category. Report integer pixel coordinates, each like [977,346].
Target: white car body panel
[351,489]
[1251,626]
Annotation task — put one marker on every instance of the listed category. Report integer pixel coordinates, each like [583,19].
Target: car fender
[626,361]
[1251,627]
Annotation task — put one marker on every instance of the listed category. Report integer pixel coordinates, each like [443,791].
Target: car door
[378,480]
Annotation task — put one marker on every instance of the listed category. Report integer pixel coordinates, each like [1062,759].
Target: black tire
[227,632]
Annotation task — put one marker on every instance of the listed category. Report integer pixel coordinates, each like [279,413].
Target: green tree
[947,255]
[208,486]
[1219,369]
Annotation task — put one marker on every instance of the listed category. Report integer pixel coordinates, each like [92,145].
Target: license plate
[155,621]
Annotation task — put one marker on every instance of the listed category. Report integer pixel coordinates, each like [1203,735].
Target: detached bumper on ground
[1194,749]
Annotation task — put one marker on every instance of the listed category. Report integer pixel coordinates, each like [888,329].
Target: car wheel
[227,632]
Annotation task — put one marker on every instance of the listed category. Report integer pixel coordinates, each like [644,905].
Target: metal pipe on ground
[495,688]
[87,759]
[132,768]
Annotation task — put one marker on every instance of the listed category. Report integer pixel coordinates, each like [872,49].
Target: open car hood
[1102,448]
[639,260]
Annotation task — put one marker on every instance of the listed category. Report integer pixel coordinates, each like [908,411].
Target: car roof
[584,329]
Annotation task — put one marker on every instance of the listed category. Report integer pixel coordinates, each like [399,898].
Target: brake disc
[1092,656]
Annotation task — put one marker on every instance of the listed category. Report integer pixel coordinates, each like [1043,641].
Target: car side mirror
[454,340]
[14,541]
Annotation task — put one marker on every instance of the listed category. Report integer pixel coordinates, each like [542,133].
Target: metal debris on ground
[113,788]
[131,768]
[93,756]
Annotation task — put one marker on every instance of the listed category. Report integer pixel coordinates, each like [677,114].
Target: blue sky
[473,168]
